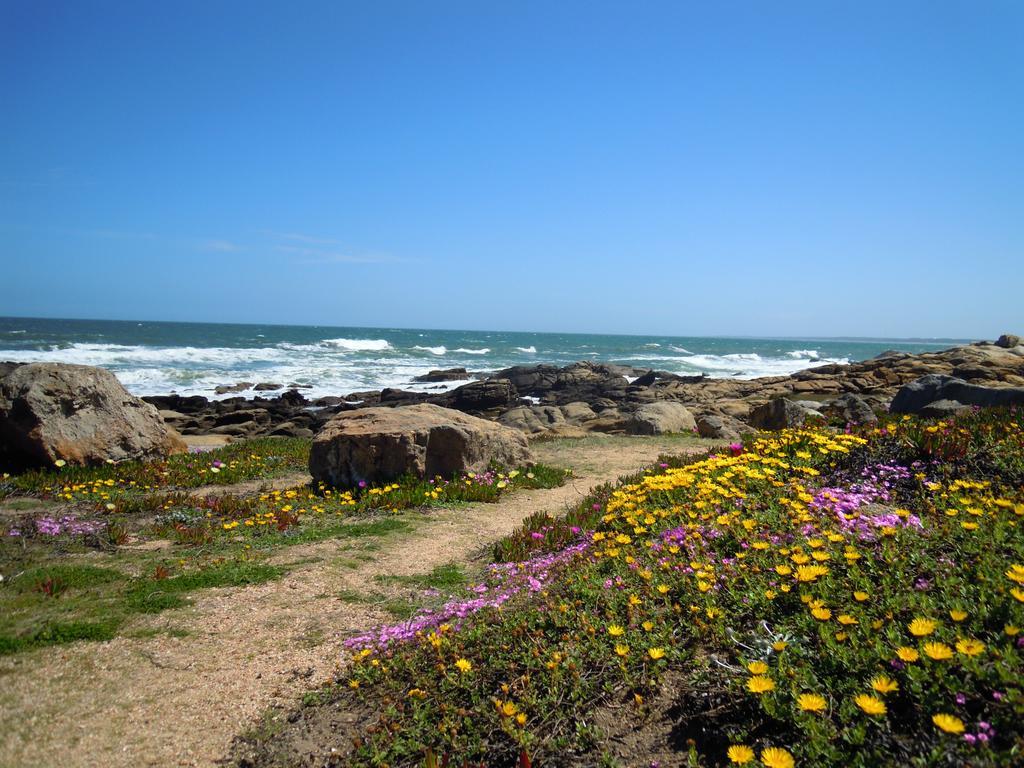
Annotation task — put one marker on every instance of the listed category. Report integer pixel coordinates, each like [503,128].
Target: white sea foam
[342,366]
[674,348]
[358,345]
[653,344]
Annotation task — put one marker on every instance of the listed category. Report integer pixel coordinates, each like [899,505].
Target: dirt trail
[179,701]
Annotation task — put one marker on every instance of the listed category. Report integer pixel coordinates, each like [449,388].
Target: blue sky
[757,168]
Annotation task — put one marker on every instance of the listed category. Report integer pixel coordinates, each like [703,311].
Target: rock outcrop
[549,401]
[79,414]
[381,444]
[933,388]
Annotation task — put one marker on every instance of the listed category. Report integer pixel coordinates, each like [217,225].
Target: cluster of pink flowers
[505,581]
[52,526]
[875,486]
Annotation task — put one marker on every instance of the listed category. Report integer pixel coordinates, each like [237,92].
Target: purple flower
[961,699]
[362,483]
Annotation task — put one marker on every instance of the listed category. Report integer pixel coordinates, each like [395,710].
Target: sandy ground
[162,700]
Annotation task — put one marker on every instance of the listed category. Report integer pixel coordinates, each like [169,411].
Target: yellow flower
[821,614]
[970,646]
[810,572]
[648,626]
[811,702]
[921,627]
[1018,594]
[59,463]
[621,649]
[1011,629]
[860,597]
[884,684]
[740,754]
[776,757]
[907,654]
[656,653]
[760,684]
[615,630]
[1016,573]
[872,705]
[846,619]
[956,615]
[521,718]
[353,684]
[948,723]
[506,708]
[757,667]
[938,651]
[464,665]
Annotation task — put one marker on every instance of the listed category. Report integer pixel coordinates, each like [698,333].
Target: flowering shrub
[815,598]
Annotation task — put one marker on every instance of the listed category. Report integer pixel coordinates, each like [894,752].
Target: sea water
[152,358]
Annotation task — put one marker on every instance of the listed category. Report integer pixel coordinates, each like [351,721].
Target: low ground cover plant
[48,596]
[814,597]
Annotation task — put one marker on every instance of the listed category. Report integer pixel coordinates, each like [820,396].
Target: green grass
[449,576]
[68,576]
[94,603]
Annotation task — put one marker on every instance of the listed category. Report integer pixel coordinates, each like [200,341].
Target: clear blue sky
[757,168]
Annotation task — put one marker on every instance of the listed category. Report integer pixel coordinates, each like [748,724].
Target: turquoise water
[193,358]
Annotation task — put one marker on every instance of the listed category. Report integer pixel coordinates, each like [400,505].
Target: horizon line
[842,337]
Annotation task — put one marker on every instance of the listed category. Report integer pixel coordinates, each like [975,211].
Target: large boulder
[1009,341]
[720,427]
[852,409]
[780,413]
[660,418]
[381,444]
[914,396]
[78,414]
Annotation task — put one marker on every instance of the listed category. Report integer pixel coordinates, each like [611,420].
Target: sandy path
[178,701]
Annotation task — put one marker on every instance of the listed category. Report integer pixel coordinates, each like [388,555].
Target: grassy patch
[447,577]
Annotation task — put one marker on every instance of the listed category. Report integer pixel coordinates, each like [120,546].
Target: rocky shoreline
[587,397]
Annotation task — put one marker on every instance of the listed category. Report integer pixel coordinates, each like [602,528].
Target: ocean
[152,358]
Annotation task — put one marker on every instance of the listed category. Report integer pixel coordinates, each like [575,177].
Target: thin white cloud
[321,256]
[300,238]
[118,234]
[219,246]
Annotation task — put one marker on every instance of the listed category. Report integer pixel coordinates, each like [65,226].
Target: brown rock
[80,414]
[659,418]
[382,444]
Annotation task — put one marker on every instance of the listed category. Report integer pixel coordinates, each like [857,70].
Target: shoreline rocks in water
[548,401]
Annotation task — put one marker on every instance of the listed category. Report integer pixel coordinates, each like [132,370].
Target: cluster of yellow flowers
[672,522]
